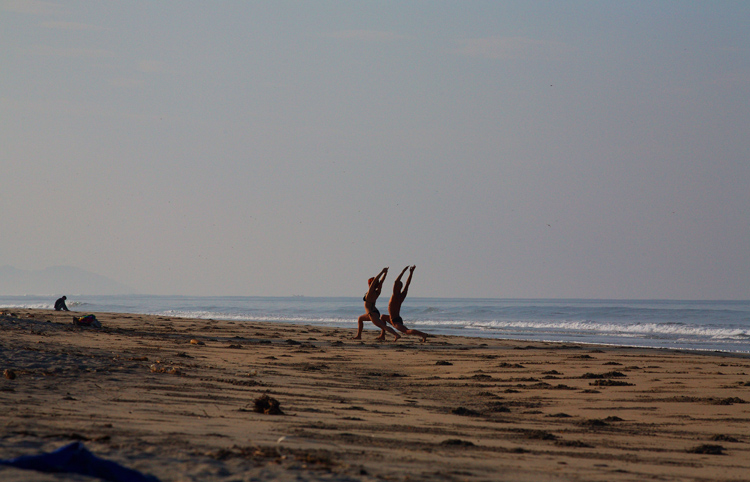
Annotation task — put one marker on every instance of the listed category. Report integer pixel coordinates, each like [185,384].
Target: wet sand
[176,398]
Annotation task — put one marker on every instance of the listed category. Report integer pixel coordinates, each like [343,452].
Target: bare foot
[424,339]
[380,338]
[358,337]
[396,337]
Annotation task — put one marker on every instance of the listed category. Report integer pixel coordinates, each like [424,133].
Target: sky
[517,149]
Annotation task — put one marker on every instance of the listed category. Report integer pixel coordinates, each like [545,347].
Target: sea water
[693,325]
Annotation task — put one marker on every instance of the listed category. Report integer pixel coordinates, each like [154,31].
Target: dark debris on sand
[610,383]
[729,401]
[465,412]
[267,405]
[723,438]
[612,374]
[707,449]
[457,442]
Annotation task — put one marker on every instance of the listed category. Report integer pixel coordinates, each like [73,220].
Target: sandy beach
[177,399]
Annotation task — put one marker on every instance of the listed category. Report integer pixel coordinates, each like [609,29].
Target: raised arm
[397,282]
[382,280]
[377,283]
[408,279]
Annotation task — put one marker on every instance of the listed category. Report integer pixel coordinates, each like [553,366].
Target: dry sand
[140,393]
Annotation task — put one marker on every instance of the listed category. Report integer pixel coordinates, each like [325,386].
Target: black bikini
[370,307]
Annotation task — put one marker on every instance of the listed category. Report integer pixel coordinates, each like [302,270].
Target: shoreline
[684,325]
[140,393]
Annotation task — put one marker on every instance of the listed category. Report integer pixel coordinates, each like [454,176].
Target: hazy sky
[577,149]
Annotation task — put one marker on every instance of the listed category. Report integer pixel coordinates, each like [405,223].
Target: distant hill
[57,280]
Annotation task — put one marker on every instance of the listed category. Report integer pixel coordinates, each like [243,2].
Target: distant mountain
[57,280]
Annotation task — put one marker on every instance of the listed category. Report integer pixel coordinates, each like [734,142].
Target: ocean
[688,325]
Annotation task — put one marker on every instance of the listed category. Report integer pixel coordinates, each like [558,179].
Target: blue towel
[75,458]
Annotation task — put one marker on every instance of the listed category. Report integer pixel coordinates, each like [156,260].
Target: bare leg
[404,329]
[360,322]
[377,321]
[385,319]
[418,333]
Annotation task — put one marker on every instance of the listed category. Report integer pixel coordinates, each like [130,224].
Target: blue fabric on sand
[75,458]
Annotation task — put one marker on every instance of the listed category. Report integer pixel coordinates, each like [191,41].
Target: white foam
[27,306]
[217,315]
[594,328]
